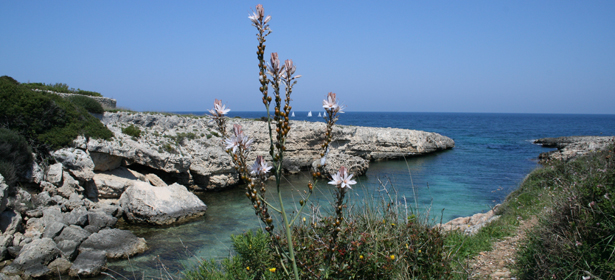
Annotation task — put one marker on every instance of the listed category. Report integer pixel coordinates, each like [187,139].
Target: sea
[493,153]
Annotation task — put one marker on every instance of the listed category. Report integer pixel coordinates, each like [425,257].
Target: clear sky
[415,56]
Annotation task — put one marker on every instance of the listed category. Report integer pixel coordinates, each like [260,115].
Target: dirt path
[495,264]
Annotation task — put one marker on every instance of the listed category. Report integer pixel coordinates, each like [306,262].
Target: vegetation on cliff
[60,87]
[46,121]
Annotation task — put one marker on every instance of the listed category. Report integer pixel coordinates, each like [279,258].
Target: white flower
[238,140]
[232,143]
[259,167]
[219,110]
[331,103]
[258,15]
[274,67]
[342,179]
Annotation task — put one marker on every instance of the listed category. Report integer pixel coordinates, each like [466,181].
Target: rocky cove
[64,222]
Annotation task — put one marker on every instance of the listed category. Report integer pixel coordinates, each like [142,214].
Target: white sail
[293,114]
[319,114]
[310,114]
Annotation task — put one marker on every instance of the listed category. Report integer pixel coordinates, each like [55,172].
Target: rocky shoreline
[62,221]
[568,147]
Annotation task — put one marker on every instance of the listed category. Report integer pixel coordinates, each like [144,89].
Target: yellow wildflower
[406,246]
[419,250]
[248,268]
[392,257]
[361,257]
[272,269]
[393,224]
[304,219]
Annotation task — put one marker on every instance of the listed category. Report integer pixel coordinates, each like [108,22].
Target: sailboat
[293,114]
[319,115]
[310,114]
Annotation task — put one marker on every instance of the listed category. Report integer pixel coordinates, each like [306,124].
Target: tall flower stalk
[282,78]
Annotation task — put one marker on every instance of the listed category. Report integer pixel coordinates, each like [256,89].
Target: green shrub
[89,104]
[9,80]
[46,120]
[88,93]
[15,155]
[576,238]
[60,87]
[132,130]
[375,242]
[7,169]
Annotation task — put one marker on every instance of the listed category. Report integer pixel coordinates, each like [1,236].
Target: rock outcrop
[190,151]
[470,225]
[569,147]
[144,203]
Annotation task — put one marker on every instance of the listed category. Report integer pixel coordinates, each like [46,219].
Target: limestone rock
[54,174]
[470,225]
[59,266]
[78,216]
[144,203]
[202,159]
[35,174]
[53,230]
[572,146]
[49,188]
[73,233]
[34,228]
[98,220]
[51,215]
[69,186]
[116,243]
[4,189]
[155,180]
[76,161]
[19,200]
[105,162]
[88,264]
[10,221]
[112,184]
[68,248]
[38,252]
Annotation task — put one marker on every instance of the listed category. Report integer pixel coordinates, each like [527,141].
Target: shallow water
[492,155]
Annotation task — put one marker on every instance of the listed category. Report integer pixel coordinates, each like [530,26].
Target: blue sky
[415,56]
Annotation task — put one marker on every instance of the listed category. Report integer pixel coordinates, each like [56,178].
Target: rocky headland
[569,147]
[62,220]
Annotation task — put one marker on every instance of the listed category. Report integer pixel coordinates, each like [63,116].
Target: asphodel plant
[282,79]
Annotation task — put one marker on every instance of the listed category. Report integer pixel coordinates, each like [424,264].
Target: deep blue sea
[492,155]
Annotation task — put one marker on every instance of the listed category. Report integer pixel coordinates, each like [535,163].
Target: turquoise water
[492,154]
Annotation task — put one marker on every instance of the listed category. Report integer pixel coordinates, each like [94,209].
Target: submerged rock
[144,203]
